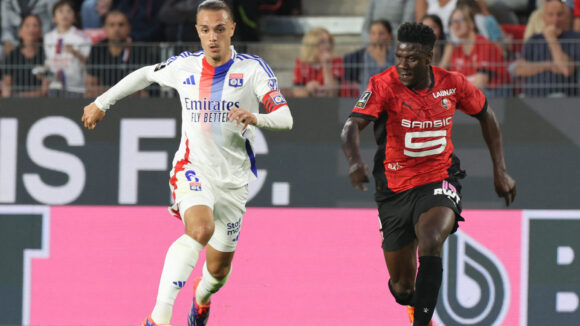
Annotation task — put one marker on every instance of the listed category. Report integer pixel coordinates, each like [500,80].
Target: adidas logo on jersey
[189,81]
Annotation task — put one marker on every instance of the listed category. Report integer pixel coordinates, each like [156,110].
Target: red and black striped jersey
[413,128]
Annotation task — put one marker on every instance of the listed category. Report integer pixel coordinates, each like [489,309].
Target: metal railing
[507,75]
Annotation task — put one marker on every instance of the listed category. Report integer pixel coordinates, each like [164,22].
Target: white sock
[180,260]
[209,285]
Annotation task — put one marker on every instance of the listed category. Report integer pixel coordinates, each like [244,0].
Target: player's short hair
[386,24]
[417,33]
[216,5]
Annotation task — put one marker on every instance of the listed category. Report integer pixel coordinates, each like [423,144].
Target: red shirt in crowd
[305,72]
[485,57]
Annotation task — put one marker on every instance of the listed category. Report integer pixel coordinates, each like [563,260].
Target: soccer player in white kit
[220,92]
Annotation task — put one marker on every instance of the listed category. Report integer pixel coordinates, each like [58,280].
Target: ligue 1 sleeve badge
[445,103]
[362,101]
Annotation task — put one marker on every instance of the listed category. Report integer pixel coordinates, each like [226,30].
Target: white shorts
[228,205]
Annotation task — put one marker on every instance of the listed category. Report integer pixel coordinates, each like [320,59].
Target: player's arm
[133,82]
[265,86]
[505,186]
[280,119]
[358,171]
[278,116]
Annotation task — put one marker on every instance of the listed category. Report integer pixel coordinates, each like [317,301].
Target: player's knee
[403,293]
[430,242]
[201,232]
[218,270]
[431,245]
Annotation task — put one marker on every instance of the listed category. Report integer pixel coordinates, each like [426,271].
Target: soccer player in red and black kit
[416,174]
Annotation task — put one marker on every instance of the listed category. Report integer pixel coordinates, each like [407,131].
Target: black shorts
[400,212]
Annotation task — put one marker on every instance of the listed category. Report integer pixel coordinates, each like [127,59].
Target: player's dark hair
[386,24]
[216,5]
[417,33]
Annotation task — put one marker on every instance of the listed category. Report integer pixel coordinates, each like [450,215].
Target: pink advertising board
[293,267]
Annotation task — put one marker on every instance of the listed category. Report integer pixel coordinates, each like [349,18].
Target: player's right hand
[359,175]
[92,115]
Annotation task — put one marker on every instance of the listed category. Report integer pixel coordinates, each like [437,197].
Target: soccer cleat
[149,322]
[411,312]
[199,314]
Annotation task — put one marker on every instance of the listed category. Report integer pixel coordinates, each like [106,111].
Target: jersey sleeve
[164,73]
[266,88]
[471,100]
[372,101]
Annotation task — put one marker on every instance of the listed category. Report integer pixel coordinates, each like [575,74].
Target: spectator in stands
[549,59]
[486,24]
[115,57]
[378,55]
[93,13]
[395,12]
[67,50]
[536,23]
[475,56]
[143,17]
[318,71]
[436,25]
[441,8]
[12,12]
[19,79]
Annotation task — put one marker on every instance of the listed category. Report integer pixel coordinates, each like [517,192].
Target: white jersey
[211,143]
[69,72]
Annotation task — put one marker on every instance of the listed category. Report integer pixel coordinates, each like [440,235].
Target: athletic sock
[180,260]
[209,285]
[427,288]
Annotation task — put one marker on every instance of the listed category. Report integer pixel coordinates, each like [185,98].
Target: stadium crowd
[79,48]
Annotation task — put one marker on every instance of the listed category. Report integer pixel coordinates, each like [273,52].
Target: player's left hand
[92,115]
[505,186]
[242,116]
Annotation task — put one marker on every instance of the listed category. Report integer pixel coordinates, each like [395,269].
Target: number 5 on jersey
[415,146]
